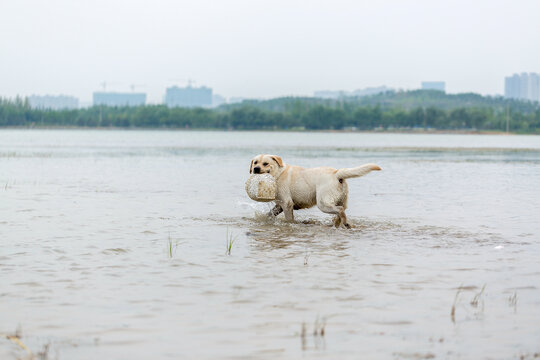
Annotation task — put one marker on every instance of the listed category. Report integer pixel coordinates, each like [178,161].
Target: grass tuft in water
[512,301]
[303,336]
[319,330]
[230,238]
[306,259]
[318,327]
[44,353]
[478,297]
[16,339]
[171,246]
[453,311]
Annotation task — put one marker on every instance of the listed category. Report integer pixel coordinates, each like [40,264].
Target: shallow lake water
[113,245]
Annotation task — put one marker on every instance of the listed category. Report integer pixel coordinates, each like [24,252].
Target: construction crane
[133,86]
[189,81]
[104,84]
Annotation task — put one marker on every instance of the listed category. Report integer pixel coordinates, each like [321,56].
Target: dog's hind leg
[339,211]
[276,210]
[334,201]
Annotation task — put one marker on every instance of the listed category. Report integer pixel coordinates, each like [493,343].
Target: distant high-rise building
[512,87]
[534,87]
[525,86]
[53,102]
[434,85]
[188,97]
[119,99]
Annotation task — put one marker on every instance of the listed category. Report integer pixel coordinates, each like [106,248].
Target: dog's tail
[356,171]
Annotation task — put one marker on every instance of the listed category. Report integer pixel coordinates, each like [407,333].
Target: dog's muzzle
[257,170]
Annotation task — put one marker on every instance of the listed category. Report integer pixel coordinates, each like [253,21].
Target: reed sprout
[230,239]
[171,246]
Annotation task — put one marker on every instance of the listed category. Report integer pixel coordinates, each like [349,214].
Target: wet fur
[300,188]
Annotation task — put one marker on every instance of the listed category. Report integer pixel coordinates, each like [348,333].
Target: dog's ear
[278,160]
[251,167]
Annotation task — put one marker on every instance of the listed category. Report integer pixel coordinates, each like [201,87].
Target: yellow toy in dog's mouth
[261,187]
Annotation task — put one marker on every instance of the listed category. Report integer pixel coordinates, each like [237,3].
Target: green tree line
[421,110]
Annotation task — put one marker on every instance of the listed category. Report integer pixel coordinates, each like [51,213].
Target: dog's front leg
[289,216]
[276,210]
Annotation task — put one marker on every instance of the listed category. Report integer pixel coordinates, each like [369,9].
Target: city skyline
[263,49]
[87,99]
[524,87]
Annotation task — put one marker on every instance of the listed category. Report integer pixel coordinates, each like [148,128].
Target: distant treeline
[394,110]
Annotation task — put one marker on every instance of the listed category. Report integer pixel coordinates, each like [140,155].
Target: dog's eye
[255,162]
[264,164]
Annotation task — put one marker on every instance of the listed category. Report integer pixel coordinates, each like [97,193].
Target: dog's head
[266,164]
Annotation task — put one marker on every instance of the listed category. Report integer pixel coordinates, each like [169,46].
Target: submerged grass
[453,311]
[16,339]
[230,239]
[318,333]
[306,259]
[477,300]
[171,246]
[318,327]
[512,301]
[478,297]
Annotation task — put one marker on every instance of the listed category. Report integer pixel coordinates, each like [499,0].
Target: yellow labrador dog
[299,188]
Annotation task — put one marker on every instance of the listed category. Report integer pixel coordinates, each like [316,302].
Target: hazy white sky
[263,48]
